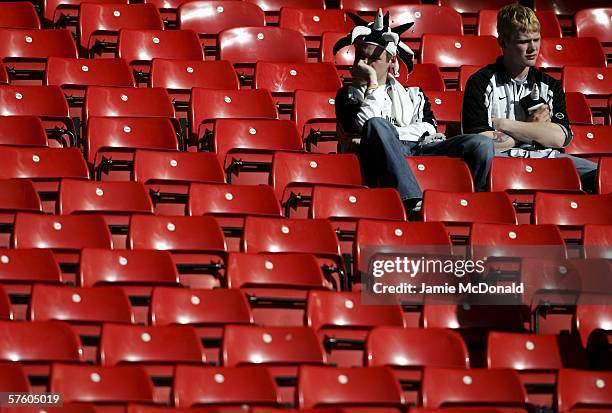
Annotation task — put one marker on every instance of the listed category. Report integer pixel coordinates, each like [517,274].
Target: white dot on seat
[316,19]
[589,135]
[573,205]
[342,379]
[124,98]
[220,9]
[4,259]
[467,380]
[18,96]
[528,169]
[417,14]
[99,191]
[195,300]
[28,39]
[352,199]
[421,167]
[313,164]
[458,45]
[349,304]
[116,13]
[269,265]
[173,163]
[95,377]
[76,298]
[57,226]
[127,129]
[512,235]
[227,99]
[252,131]
[171,227]
[600,383]
[267,338]
[219,378]
[398,232]
[260,36]
[229,196]
[332,101]
[559,47]
[189,69]
[285,229]
[85,68]
[438,101]
[156,40]
[35,158]
[562,269]
[463,202]
[146,337]
[293,72]
[123,261]
[530,345]
[600,76]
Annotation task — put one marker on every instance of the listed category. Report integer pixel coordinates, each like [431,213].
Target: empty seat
[315,117]
[595,22]
[579,390]
[594,82]
[522,175]
[117,385]
[446,107]
[565,10]
[13,378]
[4,78]
[441,173]
[224,386]
[597,240]
[272,8]
[16,196]
[426,76]
[469,9]
[361,387]
[578,109]
[475,387]
[18,15]
[66,11]
[367,7]
[549,25]
[6,312]
[46,102]
[28,266]
[592,321]
[99,24]
[590,140]
[557,53]
[232,200]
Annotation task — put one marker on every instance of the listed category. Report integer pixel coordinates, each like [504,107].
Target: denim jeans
[381,156]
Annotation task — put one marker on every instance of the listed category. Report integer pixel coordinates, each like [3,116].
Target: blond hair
[516,18]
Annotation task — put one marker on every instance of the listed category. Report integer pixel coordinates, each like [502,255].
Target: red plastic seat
[46,102]
[6,311]
[578,109]
[13,378]
[99,24]
[315,116]
[580,390]
[557,53]
[446,107]
[465,71]
[595,22]
[426,76]
[565,10]
[594,82]
[593,323]
[475,387]
[450,52]
[18,15]
[232,200]
[359,387]
[590,140]
[54,11]
[18,195]
[367,7]
[604,176]
[549,25]
[458,210]
[441,173]
[238,141]
[116,385]
[224,386]
[513,174]
[4,78]
[273,7]
[27,267]
[469,9]
[597,240]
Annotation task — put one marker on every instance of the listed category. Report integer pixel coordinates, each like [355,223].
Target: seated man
[384,122]
[521,108]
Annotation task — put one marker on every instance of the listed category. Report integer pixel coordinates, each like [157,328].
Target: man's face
[522,48]
[375,57]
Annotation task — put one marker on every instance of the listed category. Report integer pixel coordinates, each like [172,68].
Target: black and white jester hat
[379,33]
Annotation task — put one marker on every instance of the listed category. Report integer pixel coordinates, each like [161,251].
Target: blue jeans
[381,155]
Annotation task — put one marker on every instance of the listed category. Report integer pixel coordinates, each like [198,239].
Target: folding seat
[604,176]
[208,19]
[449,52]
[428,18]
[593,322]
[557,53]
[465,71]
[138,47]
[19,15]
[245,146]
[444,387]
[16,196]
[113,386]
[578,109]
[167,176]
[283,235]
[427,76]
[197,245]
[27,50]
[281,349]
[46,102]
[360,387]
[66,408]
[595,22]
[36,345]
[277,284]
[99,24]
[244,46]
[272,8]
[597,241]
[581,390]
[570,212]
[224,386]
[549,25]
[343,320]
[458,210]
[74,75]
[408,350]
[293,175]
[6,311]
[111,142]
[565,11]
[315,116]
[446,107]
[469,10]
[209,104]
[593,82]
[178,77]
[343,60]
[441,173]
[13,378]
[521,178]
[4,78]
[590,141]
[283,79]
[367,8]
[65,12]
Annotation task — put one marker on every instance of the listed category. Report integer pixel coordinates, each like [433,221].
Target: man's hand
[542,114]
[362,71]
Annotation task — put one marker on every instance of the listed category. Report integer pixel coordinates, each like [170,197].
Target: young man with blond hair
[518,106]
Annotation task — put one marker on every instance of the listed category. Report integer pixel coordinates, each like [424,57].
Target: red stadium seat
[293,175]
[465,71]
[46,102]
[18,15]
[427,76]
[16,196]
[469,10]
[345,57]
[367,7]
[593,82]
[557,53]
[604,176]
[13,378]
[315,116]
[273,7]
[227,386]
[578,109]
[592,321]
[590,140]
[197,245]
[595,22]
[4,78]
[116,385]
[549,25]
[99,24]
[65,12]
[446,107]
[475,387]
[579,390]
[597,240]
[565,11]
[360,387]
[110,140]
[450,52]
[441,173]
[6,312]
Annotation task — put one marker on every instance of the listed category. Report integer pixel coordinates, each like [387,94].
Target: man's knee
[378,127]
[480,146]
